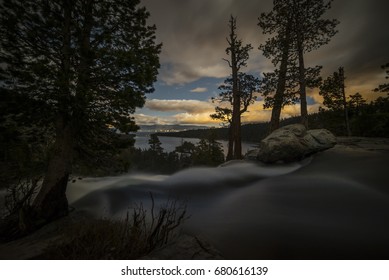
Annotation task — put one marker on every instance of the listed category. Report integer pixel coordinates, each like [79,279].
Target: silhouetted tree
[290,96]
[185,151]
[247,86]
[278,49]
[89,63]
[356,102]
[298,27]
[155,144]
[239,55]
[333,92]
[208,152]
[312,31]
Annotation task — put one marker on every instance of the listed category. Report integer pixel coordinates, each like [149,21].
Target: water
[170,143]
[332,206]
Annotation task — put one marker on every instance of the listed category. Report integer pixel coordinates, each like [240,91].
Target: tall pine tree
[239,54]
[278,23]
[247,86]
[311,31]
[90,64]
[297,27]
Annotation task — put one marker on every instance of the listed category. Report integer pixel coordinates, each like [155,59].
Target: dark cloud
[193,33]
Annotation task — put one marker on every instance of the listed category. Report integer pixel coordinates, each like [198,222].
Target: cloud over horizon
[194,34]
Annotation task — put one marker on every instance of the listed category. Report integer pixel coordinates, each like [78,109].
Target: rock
[185,248]
[293,143]
[251,154]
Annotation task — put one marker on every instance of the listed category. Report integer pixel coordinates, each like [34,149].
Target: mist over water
[334,205]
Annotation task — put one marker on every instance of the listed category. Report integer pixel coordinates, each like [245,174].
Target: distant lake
[170,143]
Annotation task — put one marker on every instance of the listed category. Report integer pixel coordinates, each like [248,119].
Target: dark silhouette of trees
[247,86]
[312,31]
[90,64]
[239,54]
[208,152]
[278,49]
[333,92]
[155,144]
[297,27]
[356,103]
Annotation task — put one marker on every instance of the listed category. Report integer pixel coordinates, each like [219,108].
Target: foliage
[111,54]
[236,93]
[208,152]
[332,92]
[131,238]
[384,87]
[88,64]
[247,85]
[155,145]
[290,96]
[296,27]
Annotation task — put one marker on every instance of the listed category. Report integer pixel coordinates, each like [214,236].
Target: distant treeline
[368,120]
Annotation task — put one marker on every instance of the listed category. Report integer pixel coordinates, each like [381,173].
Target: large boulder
[293,143]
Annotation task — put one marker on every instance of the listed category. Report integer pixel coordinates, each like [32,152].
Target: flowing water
[334,205]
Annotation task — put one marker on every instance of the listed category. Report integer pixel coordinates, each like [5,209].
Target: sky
[193,33]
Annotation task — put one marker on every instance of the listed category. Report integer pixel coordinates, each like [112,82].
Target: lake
[170,143]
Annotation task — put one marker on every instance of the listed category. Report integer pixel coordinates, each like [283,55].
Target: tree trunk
[51,202]
[238,140]
[279,95]
[230,152]
[236,113]
[302,81]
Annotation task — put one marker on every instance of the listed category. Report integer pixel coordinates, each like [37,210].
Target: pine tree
[356,102]
[311,32]
[239,54]
[155,145]
[208,152]
[90,63]
[333,92]
[247,86]
[297,27]
[278,49]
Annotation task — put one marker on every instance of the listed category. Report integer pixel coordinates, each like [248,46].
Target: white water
[336,206]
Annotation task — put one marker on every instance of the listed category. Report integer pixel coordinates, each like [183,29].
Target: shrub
[130,238]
